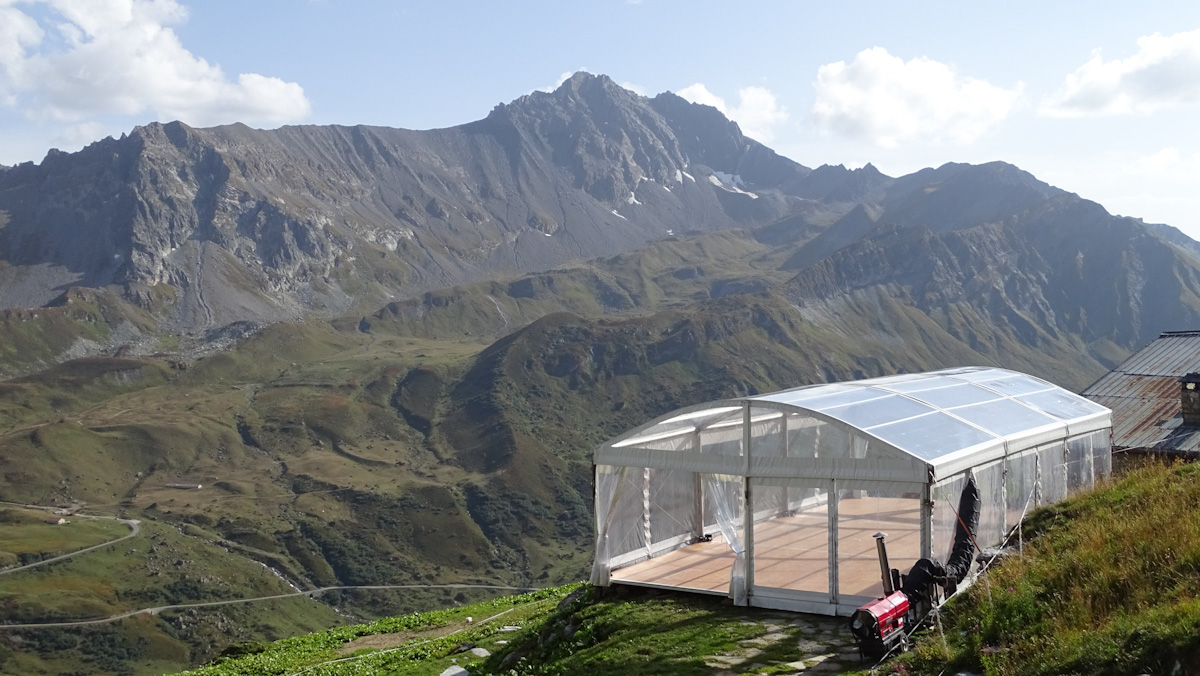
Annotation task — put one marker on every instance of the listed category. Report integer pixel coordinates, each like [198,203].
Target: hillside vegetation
[365,452]
[1109,583]
[160,566]
[574,629]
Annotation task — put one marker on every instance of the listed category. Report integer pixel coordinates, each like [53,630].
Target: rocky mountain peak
[707,137]
[592,87]
[247,223]
[605,134]
[870,170]
[230,223]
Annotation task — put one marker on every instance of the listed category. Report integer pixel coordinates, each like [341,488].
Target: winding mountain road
[209,604]
[134,526]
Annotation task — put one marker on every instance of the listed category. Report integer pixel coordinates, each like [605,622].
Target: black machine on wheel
[883,625]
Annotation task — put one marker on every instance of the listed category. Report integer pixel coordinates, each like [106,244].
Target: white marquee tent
[773,499]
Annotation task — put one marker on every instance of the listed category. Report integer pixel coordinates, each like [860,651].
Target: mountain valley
[386,355]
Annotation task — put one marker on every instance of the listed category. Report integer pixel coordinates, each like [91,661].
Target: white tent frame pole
[1037,477]
[832,508]
[646,533]
[748,505]
[698,492]
[927,520]
[786,493]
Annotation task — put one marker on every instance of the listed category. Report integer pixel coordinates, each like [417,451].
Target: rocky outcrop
[263,225]
[1061,271]
[209,227]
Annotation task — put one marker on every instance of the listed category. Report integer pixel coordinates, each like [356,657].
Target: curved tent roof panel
[940,418]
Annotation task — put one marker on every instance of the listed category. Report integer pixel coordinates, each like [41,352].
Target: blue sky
[1097,98]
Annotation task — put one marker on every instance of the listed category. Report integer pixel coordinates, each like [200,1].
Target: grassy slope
[666,274]
[403,449]
[36,339]
[1102,588]
[160,566]
[566,630]
[1109,584]
[424,640]
[114,432]
[26,537]
[339,456]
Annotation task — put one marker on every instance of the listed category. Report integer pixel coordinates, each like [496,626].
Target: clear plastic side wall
[1102,454]
[672,503]
[1053,468]
[642,513]
[993,506]
[945,517]
[1079,463]
[803,438]
[621,518]
[1024,480]
[860,514]
[725,494]
[1020,485]
[791,536]
[608,483]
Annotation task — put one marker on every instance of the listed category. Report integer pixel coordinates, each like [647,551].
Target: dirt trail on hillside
[385,641]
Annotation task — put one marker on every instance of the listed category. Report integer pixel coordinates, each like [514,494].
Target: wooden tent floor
[792,552]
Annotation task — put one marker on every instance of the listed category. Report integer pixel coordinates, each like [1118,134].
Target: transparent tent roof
[936,417]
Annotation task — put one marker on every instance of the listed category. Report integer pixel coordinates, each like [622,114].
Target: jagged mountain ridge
[212,226]
[1025,276]
[250,224]
[1060,272]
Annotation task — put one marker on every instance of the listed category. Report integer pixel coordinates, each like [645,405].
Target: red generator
[879,625]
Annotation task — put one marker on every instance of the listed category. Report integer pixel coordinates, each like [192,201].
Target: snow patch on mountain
[729,183]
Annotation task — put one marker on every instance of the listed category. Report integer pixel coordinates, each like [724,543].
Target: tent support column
[748,504]
[698,493]
[1037,478]
[927,520]
[832,504]
[1004,488]
[786,491]
[646,511]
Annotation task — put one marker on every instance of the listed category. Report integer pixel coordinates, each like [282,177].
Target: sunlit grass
[1109,583]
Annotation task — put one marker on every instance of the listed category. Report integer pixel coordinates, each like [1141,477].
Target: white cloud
[1164,73]
[1169,158]
[888,101]
[566,74]
[18,32]
[1162,159]
[698,93]
[635,88]
[1158,186]
[78,135]
[757,112]
[121,57]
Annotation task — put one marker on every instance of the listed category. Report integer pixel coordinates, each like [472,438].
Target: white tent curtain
[725,494]
[611,483]
[672,509]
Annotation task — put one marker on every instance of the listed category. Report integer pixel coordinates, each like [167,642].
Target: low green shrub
[1108,583]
